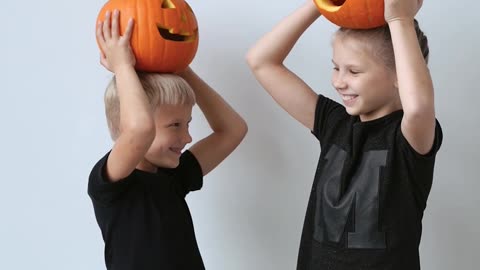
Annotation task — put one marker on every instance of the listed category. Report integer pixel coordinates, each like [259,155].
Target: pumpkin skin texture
[354,14]
[165,34]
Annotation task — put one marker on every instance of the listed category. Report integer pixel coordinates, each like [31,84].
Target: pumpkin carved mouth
[181,37]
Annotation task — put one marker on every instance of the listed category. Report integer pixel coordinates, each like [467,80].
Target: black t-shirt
[368,196]
[144,218]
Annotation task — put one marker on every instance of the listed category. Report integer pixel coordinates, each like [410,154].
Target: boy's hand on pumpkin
[401,9]
[115,49]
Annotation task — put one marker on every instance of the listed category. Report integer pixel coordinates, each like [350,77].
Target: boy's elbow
[252,60]
[148,134]
[238,131]
[243,129]
[257,62]
[142,130]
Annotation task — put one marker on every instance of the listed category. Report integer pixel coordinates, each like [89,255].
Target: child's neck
[379,114]
[146,166]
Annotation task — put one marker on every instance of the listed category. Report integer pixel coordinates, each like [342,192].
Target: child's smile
[349,100]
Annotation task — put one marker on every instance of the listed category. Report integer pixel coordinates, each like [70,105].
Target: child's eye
[354,72]
[336,68]
[175,125]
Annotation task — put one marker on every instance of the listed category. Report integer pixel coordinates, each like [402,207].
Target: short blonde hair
[379,42]
[161,89]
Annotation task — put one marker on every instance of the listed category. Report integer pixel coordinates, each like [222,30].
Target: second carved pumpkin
[355,14]
[165,34]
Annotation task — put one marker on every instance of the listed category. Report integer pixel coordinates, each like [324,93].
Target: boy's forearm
[414,80]
[135,110]
[277,44]
[219,114]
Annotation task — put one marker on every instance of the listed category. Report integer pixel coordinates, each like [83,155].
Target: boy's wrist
[123,68]
[401,21]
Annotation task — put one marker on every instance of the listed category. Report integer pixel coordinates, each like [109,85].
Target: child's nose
[187,138]
[339,82]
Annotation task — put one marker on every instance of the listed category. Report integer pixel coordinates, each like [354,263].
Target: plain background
[250,212]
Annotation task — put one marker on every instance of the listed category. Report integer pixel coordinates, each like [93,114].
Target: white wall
[250,213]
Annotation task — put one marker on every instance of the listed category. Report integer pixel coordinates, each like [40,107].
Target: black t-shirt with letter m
[144,219]
[368,196]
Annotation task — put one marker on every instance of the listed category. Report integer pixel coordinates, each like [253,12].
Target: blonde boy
[138,188]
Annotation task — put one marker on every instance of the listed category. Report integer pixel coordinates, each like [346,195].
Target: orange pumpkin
[355,14]
[165,34]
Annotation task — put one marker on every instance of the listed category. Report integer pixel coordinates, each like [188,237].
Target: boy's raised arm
[414,80]
[137,128]
[266,58]
[228,126]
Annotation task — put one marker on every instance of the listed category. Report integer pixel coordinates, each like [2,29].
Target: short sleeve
[326,111]
[100,189]
[188,174]
[412,153]
[421,167]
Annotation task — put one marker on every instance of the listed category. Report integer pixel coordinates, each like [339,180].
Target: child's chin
[352,112]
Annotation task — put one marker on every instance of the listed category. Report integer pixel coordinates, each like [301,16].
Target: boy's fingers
[100,37]
[106,26]
[129,30]
[115,23]
[99,32]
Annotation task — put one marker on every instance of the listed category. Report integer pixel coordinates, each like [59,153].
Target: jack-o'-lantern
[165,34]
[355,14]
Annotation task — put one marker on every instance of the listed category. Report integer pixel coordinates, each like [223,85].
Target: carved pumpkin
[165,34]
[355,14]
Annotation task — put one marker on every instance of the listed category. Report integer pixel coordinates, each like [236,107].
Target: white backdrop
[249,214]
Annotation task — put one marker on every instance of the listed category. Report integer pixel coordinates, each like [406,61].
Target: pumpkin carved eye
[167,4]
[338,2]
[168,33]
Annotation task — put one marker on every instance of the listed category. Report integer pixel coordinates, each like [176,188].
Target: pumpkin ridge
[151,40]
[164,22]
[138,24]
[368,8]
[350,17]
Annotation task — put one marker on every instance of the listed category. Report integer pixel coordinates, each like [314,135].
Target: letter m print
[332,208]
